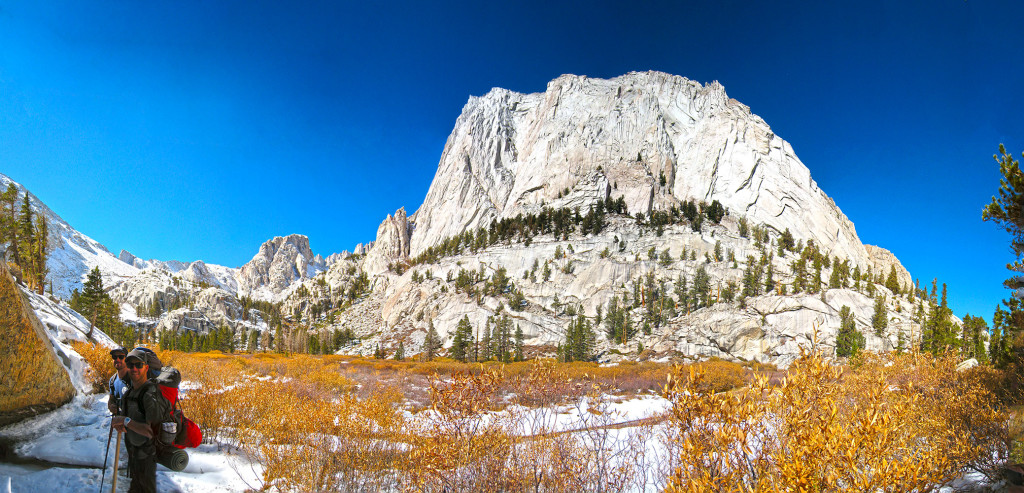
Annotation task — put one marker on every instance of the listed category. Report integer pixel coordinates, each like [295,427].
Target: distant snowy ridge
[282,262]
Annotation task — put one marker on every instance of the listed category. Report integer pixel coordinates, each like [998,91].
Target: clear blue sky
[198,130]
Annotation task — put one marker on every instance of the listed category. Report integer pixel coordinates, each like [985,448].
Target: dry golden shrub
[888,423]
[294,417]
[720,375]
[895,423]
[100,366]
[1016,432]
[463,444]
[204,369]
[316,444]
[328,378]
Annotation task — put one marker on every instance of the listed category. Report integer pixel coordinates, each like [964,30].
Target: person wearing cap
[143,405]
[117,381]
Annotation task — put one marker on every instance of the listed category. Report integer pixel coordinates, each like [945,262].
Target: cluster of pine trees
[222,339]
[580,339]
[523,228]
[1006,347]
[689,212]
[281,340]
[26,237]
[496,343]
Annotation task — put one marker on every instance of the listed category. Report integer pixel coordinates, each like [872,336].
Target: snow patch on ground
[76,435]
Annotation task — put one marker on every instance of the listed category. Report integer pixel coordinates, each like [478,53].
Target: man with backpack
[117,381]
[143,405]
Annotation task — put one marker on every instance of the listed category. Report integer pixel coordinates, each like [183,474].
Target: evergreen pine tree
[995,347]
[880,318]
[462,340]
[253,345]
[9,223]
[701,288]
[485,353]
[849,340]
[892,282]
[26,241]
[519,344]
[431,343]
[39,253]
[313,344]
[682,295]
[786,241]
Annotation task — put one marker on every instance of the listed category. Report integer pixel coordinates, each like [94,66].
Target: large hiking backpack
[153,361]
[187,432]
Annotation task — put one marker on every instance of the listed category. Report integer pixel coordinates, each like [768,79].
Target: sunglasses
[117,357]
[135,364]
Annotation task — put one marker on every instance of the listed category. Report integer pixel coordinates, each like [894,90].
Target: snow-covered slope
[72,254]
[64,325]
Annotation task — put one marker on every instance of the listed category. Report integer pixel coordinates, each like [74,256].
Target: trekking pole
[106,454]
[117,457]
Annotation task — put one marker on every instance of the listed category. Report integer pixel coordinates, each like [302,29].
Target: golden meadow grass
[340,423]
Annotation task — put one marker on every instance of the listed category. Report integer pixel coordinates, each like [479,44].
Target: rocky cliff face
[655,141]
[392,243]
[33,379]
[279,264]
[584,139]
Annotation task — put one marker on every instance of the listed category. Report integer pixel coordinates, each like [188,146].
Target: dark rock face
[32,380]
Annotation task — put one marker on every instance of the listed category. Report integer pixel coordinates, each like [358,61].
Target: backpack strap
[138,393]
[141,392]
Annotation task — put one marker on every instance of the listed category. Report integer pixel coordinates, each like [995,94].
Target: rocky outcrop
[584,139]
[361,249]
[211,308]
[201,273]
[32,380]
[148,287]
[279,264]
[882,261]
[127,257]
[586,271]
[392,243]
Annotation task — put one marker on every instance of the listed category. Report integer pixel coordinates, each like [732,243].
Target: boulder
[32,380]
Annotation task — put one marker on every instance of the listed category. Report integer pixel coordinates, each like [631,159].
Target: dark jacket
[144,405]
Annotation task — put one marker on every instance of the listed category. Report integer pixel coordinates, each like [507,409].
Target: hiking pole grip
[117,457]
[106,454]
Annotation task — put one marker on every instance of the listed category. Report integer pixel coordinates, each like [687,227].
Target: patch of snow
[76,435]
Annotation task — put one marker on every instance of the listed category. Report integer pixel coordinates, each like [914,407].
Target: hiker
[142,399]
[117,381]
